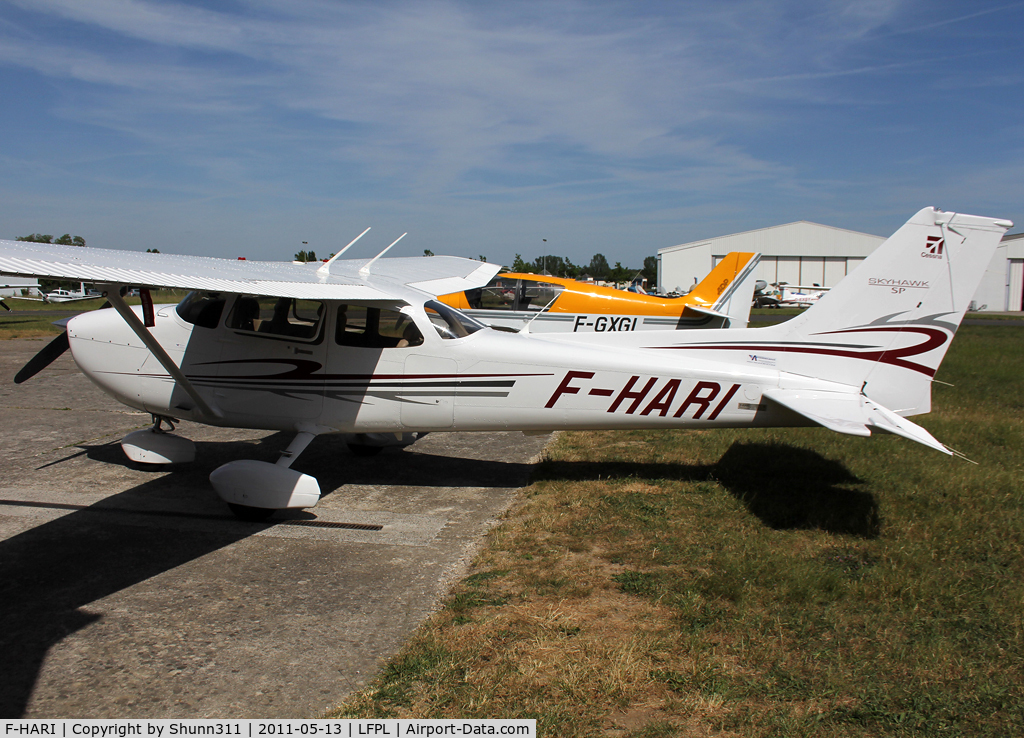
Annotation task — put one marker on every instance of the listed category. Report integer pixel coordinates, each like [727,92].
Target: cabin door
[428,397]
[271,368]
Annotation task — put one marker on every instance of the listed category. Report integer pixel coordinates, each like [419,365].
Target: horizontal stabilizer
[855,415]
[712,313]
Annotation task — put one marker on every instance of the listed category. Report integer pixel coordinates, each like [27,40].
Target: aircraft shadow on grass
[51,573]
[786,487]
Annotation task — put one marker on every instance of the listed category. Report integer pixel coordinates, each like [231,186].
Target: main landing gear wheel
[255,490]
[364,450]
[250,514]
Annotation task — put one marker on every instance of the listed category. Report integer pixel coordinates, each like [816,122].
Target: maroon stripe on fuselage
[306,369]
[895,357]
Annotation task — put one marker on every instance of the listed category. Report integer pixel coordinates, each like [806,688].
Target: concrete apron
[130,592]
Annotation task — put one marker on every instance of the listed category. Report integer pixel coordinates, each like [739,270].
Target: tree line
[66,240]
[48,285]
[598,268]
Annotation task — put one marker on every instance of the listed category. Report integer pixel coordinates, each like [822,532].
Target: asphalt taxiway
[131,592]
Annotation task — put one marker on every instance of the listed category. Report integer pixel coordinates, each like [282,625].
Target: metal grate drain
[329,524]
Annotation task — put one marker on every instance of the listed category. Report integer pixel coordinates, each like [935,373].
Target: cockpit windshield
[449,322]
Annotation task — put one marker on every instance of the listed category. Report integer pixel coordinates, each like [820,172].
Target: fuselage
[327,376]
[556,305]
[64,296]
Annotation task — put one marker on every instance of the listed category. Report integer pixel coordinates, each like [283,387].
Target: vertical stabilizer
[887,325]
[710,289]
[728,289]
[737,298]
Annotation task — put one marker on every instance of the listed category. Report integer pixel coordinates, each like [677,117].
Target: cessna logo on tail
[933,247]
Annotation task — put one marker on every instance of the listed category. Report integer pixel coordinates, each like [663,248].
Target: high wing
[348,279]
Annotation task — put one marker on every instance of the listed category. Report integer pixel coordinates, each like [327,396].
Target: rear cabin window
[503,293]
[277,317]
[201,308]
[370,327]
[538,295]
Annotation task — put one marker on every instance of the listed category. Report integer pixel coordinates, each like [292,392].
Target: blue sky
[245,127]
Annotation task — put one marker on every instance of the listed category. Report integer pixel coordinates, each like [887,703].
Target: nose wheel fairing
[157,445]
[151,446]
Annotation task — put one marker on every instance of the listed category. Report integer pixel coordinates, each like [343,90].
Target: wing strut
[113,293]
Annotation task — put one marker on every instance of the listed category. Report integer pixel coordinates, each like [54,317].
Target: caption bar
[271,728]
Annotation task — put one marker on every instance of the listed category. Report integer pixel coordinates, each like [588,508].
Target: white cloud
[436,82]
[591,107]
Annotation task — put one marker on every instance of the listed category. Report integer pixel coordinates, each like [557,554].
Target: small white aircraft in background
[786,295]
[363,347]
[62,295]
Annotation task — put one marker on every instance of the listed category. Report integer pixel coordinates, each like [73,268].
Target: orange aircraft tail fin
[713,287]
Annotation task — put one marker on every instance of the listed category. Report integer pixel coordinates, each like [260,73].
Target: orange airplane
[513,301]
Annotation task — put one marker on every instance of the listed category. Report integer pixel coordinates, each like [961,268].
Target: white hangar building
[805,253]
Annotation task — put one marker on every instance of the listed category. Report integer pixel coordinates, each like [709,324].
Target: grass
[751,582]
[35,319]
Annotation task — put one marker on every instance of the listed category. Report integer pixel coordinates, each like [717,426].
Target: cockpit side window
[505,293]
[277,317]
[537,296]
[370,327]
[201,308]
[450,323]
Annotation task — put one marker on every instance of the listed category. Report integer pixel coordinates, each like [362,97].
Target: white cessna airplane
[362,347]
[61,295]
[787,295]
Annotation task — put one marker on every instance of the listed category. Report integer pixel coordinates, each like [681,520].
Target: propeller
[50,353]
[44,358]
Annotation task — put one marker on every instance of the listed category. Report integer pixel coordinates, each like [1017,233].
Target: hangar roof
[1014,245]
[802,238]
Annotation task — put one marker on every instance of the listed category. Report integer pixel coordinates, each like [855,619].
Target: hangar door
[1015,284]
[812,271]
[835,270]
[788,269]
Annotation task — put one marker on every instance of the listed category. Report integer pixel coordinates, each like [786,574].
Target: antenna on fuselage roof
[326,267]
[366,267]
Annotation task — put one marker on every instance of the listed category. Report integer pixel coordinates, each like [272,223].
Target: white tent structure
[11,286]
